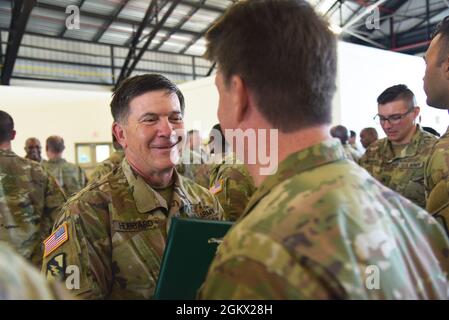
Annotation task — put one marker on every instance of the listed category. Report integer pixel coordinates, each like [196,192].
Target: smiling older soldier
[115,230]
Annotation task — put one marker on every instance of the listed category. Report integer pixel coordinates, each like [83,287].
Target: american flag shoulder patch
[56,239]
[217,187]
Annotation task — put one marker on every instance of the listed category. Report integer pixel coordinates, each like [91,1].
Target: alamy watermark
[251,146]
[72,22]
[372,21]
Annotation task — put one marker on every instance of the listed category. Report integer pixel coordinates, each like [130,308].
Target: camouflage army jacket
[68,175]
[20,281]
[114,232]
[323,228]
[404,173]
[232,185]
[436,181]
[351,152]
[193,167]
[437,166]
[106,166]
[29,202]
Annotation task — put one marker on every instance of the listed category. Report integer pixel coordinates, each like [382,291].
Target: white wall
[201,98]
[77,116]
[365,72]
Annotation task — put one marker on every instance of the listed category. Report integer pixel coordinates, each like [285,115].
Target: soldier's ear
[13,134]
[119,134]
[239,96]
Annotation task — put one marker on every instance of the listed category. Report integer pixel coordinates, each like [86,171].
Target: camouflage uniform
[232,185]
[437,181]
[19,281]
[318,229]
[193,167]
[351,153]
[106,166]
[68,175]
[29,203]
[403,173]
[116,232]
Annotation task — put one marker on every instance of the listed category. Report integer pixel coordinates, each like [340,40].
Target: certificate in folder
[191,247]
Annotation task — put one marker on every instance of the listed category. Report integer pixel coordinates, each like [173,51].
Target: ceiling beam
[105,17]
[179,25]
[150,38]
[20,14]
[149,15]
[106,26]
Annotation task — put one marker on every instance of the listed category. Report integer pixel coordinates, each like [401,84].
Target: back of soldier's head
[55,144]
[285,54]
[395,93]
[370,131]
[137,86]
[340,132]
[6,127]
[216,136]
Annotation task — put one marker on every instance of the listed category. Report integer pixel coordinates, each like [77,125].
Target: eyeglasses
[393,119]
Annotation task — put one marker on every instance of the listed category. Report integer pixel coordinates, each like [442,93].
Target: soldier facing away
[115,230]
[316,227]
[398,160]
[230,181]
[29,198]
[70,176]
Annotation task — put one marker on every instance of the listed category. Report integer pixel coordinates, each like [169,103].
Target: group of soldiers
[315,228]
[408,159]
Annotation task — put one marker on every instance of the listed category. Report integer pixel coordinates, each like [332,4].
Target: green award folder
[191,247]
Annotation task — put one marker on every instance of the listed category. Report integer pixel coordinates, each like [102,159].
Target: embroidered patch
[217,188]
[56,267]
[56,239]
[135,226]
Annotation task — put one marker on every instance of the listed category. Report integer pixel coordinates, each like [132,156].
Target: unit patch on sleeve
[217,187]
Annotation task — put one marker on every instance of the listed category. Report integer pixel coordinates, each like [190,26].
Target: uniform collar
[147,199]
[325,152]
[446,134]
[410,150]
[7,153]
[60,160]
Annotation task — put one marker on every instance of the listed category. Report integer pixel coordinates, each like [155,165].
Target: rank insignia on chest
[217,187]
[56,239]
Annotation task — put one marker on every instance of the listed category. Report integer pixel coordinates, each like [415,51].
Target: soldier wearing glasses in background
[398,160]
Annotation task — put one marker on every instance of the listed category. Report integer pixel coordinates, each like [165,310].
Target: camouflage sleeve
[79,250]
[438,203]
[54,200]
[234,192]
[436,168]
[83,178]
[20,281]
[101,170]
[240,271]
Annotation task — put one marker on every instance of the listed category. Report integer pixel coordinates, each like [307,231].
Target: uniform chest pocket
[137,248]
